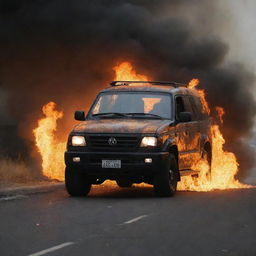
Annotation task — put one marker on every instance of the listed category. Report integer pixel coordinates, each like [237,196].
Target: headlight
[149,142]
[78,141]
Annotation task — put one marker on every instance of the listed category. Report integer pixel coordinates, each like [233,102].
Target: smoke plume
[64,51]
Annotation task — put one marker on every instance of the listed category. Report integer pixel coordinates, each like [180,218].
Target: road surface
[114,221]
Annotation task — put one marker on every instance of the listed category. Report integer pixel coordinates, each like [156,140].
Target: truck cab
[137,131]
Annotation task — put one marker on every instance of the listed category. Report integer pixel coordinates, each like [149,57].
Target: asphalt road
[114,221]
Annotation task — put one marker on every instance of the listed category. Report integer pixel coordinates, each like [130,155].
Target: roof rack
[127,83]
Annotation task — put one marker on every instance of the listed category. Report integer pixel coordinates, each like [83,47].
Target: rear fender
[204,140]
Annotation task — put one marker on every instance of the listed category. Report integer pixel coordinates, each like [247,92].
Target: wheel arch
[208,147]
[174,150]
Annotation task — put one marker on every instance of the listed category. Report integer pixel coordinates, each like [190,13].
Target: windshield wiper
[109,114]
[127,114]
[144,114]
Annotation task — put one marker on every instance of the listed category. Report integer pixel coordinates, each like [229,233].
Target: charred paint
[122,126]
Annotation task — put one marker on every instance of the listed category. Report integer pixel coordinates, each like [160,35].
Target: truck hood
[122,126]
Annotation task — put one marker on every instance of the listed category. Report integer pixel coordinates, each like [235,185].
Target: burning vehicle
[139,131]
[170,116]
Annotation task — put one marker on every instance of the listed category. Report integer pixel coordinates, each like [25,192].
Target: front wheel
[76,183]
[165,182]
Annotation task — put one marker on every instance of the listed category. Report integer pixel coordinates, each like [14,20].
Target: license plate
[111,164]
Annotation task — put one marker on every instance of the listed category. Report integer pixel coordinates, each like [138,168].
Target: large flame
[51,150]
[224,166]
[125,72]
[193,84]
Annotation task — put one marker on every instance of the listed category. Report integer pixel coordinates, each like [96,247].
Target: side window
[194,110]
[202,114]
[179,107]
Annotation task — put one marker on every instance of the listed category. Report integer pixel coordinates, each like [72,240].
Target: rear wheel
[124,183]
[207,157]
[165,182]
[76,183]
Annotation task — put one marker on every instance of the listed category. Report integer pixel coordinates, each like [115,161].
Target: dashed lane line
[54,248]
[134,219]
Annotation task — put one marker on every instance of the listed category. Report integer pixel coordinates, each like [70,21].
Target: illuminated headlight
[149,142]
[78,141]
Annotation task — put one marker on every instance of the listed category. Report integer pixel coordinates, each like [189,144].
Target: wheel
[206,155]
[165,182]
[124,183]
[76,183]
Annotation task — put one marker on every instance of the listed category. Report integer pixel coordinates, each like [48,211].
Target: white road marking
[54,248]
[135,219]
[8,198]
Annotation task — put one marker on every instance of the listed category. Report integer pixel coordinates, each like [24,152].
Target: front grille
[123,143]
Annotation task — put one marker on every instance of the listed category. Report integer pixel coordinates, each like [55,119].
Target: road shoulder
[27,189]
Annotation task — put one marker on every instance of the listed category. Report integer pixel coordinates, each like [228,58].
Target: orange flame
[51,150]
[224,166]
[192,85]
[223,169]
[125,72]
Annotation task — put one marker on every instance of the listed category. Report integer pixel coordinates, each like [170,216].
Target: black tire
[208,157]
[76,183]
[165,182]
[124,183]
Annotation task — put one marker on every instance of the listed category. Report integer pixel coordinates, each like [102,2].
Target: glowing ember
[51,150]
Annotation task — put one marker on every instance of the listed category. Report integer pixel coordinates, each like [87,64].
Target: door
[193,131]
[181,132]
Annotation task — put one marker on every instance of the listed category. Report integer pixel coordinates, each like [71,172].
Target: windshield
[135,104]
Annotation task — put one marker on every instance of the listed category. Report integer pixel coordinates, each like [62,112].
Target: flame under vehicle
[137,131]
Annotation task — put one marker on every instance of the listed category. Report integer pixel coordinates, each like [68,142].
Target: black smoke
[64,51]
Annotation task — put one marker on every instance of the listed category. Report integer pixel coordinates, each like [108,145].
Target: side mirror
[185,117]
[79,115]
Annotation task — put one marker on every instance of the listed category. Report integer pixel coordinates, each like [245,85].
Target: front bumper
[132,163]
